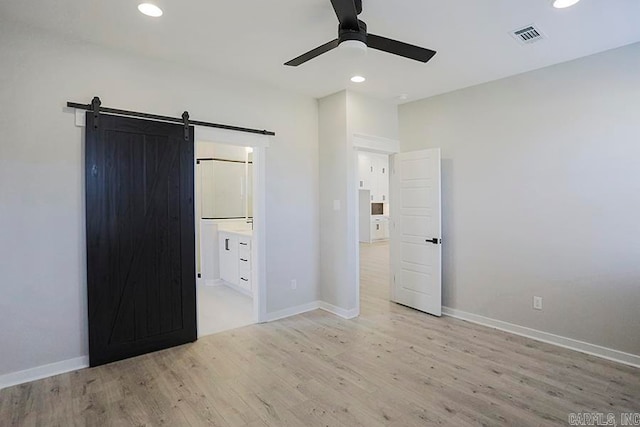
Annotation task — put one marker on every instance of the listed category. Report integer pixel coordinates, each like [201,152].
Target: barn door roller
[95,107]
[185,120]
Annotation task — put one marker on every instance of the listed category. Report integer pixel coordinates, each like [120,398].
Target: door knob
[434,241]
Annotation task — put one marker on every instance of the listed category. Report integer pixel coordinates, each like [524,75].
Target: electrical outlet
[294,284]
[537,303]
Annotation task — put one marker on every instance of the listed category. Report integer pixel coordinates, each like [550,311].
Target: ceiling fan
[353,32]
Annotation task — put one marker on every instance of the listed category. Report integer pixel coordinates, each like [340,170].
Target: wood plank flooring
[392,366]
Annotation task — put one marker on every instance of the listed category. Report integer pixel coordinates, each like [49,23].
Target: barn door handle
[434,241]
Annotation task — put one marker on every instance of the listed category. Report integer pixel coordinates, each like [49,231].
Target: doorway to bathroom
[224,189]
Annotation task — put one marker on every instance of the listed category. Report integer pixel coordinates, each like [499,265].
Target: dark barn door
[140,237]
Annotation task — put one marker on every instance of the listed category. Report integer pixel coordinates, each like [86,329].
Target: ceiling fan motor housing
[345,34]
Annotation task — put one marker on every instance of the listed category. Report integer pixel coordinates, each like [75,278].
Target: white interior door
[416,250]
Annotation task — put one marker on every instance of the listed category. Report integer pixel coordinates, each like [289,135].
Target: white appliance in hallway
[416,250]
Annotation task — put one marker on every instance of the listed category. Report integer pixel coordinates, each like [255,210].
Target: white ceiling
[253,38]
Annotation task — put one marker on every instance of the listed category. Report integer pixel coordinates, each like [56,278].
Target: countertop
[248,233]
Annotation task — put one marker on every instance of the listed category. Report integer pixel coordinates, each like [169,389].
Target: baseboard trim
[339,311]
[314,305]
[292,311]
[546,337]
[44,371]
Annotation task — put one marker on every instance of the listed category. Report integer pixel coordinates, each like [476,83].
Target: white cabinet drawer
[245,280]
[244,242]
[245,264]
[244,252]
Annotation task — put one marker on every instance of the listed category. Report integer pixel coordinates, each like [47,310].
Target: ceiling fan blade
[313,53]
[395,47]
[347,14]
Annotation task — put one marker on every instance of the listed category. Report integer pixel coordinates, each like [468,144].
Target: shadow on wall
[448,227]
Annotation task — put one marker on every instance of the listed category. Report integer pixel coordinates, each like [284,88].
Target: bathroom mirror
[226,187]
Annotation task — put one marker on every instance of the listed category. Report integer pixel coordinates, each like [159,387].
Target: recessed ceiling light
[357,79]
[150,9]
[561,4]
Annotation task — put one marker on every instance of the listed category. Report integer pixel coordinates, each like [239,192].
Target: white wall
[334,273]
[42,244]
[541,196]
[371,116]
[340,116]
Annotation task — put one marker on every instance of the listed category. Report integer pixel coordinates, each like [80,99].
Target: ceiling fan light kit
[352,33]
[355,46]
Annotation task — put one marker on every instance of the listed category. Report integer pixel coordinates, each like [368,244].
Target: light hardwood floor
[391,366]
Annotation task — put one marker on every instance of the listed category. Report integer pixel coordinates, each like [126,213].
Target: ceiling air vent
[528,34]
